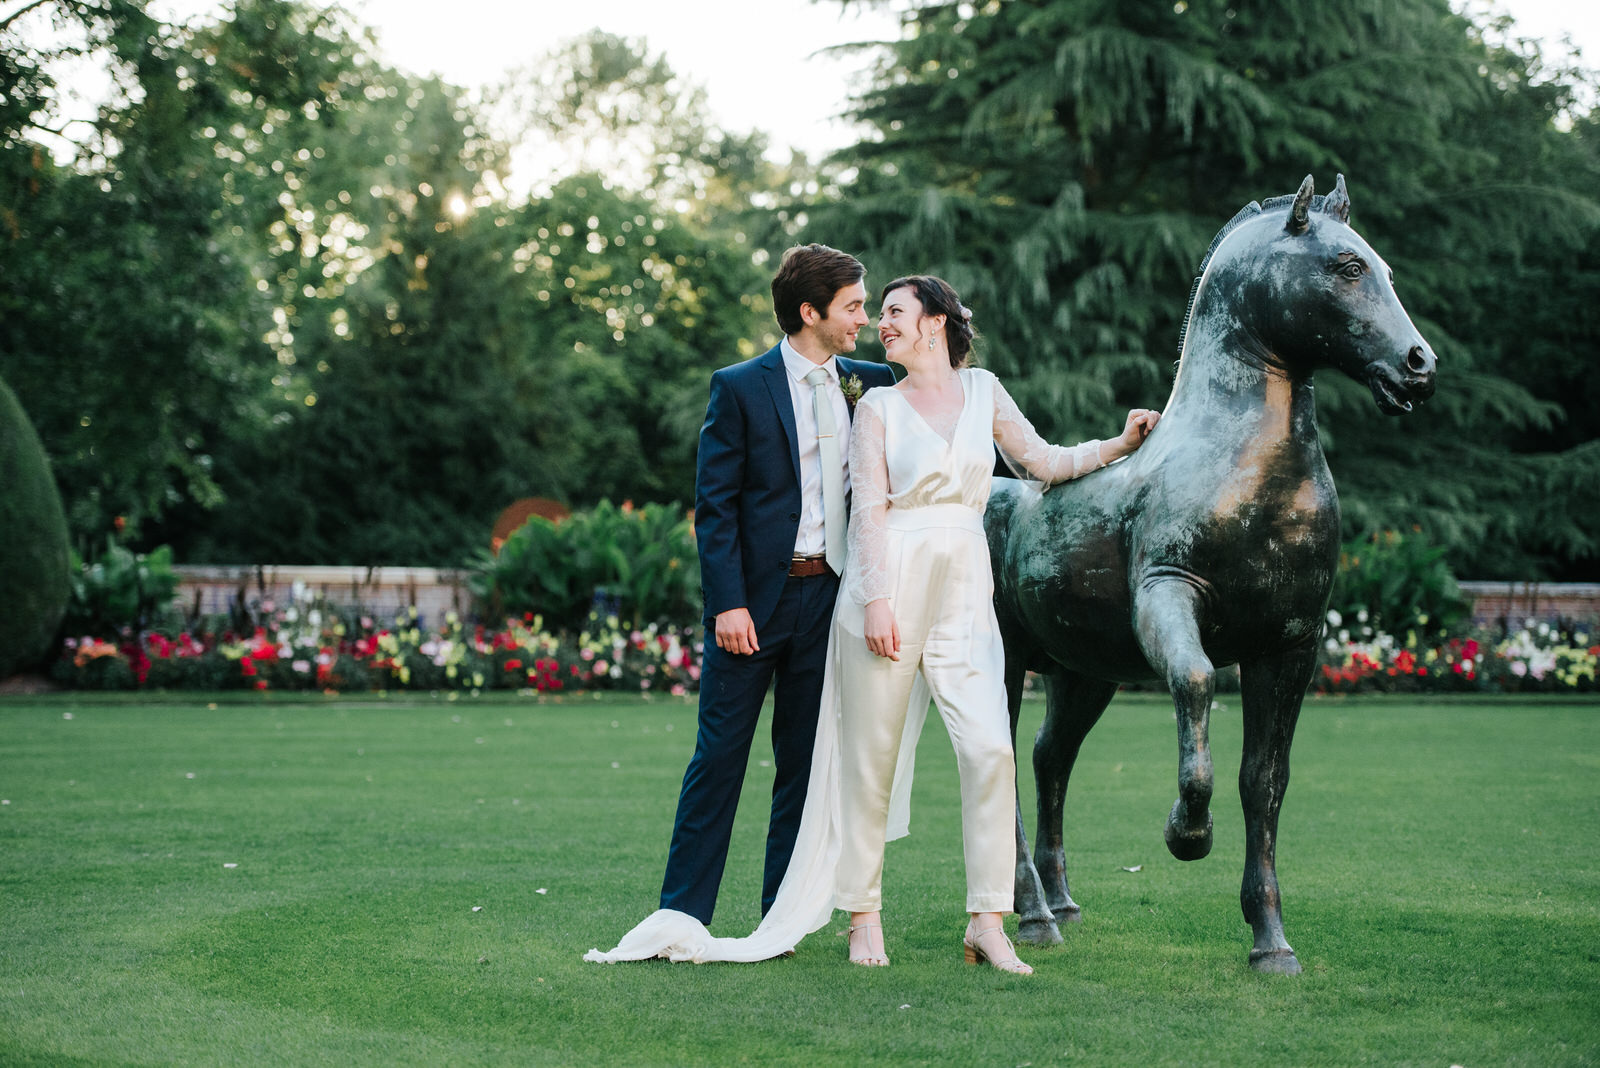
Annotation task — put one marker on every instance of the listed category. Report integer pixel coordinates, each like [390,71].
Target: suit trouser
[944,610]
[794,645]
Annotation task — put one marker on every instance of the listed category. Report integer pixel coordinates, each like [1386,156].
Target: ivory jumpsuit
[916,537]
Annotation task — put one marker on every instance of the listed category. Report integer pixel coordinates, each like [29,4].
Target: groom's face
[846,316]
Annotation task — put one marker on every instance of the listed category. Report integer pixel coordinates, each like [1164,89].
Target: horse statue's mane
[1249,211]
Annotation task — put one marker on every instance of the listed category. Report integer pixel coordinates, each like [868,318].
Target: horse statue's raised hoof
[1039,931]
[1071,914]
[1183,843]
[1275,961]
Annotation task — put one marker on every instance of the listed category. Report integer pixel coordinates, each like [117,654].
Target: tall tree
[303,319]
[132,295]
[1066,162]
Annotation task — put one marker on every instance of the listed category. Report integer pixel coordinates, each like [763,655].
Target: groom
[768,484]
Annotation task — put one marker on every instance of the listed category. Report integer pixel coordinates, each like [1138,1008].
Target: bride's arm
[867,574]
[1022,446]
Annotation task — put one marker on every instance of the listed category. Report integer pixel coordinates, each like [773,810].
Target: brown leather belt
[808,567]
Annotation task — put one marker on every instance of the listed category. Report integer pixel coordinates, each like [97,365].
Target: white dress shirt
[811,540]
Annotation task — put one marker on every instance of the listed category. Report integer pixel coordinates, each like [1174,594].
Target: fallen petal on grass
[1136,867]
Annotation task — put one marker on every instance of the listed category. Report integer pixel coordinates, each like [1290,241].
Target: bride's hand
[1138,426]
[883,636]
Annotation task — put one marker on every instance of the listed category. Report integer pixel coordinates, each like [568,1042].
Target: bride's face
[903,328]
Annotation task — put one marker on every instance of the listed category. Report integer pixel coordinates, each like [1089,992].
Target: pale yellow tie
[833,519]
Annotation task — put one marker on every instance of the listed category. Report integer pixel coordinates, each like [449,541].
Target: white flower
[1334,618]
[1361,616]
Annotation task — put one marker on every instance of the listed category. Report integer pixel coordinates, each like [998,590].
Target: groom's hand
[736,632]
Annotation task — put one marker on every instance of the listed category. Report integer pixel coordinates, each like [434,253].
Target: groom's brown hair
[811,274]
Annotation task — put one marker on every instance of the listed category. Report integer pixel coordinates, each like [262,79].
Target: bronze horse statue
[1214,544]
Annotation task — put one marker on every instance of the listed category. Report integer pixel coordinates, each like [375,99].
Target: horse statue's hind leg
[1167,609]
[1073,705]
[1036,924]
[1272,689]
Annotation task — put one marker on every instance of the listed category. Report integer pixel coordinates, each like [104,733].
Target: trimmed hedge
[34,577]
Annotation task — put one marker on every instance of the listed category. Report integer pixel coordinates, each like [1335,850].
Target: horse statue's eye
[1353,270]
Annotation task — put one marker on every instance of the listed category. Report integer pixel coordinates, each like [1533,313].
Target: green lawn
[414,881]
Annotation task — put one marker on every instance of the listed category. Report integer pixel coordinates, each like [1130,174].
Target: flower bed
[314,648]
[1535,658]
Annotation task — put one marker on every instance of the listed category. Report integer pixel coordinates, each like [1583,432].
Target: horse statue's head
[1303,290]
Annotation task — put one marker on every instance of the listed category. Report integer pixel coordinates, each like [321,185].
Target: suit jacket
[747,482]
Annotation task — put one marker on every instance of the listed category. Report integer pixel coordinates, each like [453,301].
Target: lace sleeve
[867,572]
[1025,450]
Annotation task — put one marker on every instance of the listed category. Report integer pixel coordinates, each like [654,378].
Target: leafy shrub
[33,543]
[1398,584]
[120,591]
[638,564]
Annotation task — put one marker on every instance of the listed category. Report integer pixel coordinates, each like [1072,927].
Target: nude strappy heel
[974,953]
[872,960]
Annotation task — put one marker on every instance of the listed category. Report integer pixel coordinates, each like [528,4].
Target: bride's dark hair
[937,298]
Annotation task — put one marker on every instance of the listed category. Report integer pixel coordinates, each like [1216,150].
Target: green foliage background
[282,308]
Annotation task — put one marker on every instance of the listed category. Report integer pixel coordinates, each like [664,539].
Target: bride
[915,618]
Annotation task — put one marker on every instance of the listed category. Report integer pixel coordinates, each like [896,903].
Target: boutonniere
[850,386]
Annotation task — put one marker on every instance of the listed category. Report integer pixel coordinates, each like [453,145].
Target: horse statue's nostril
[1418,362]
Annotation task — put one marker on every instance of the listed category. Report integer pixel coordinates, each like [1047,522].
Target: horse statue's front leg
[1272,690]
[1167,610]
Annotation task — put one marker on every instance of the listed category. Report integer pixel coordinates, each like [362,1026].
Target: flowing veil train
[805,897]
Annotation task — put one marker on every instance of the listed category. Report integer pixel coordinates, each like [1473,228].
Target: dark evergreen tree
[1064,163]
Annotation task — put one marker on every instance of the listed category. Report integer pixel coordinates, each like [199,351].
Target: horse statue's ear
[1337,203]
[1300,214]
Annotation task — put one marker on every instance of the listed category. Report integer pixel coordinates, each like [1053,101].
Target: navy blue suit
[747,517]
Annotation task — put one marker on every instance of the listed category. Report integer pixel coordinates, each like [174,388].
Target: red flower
[512,665]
